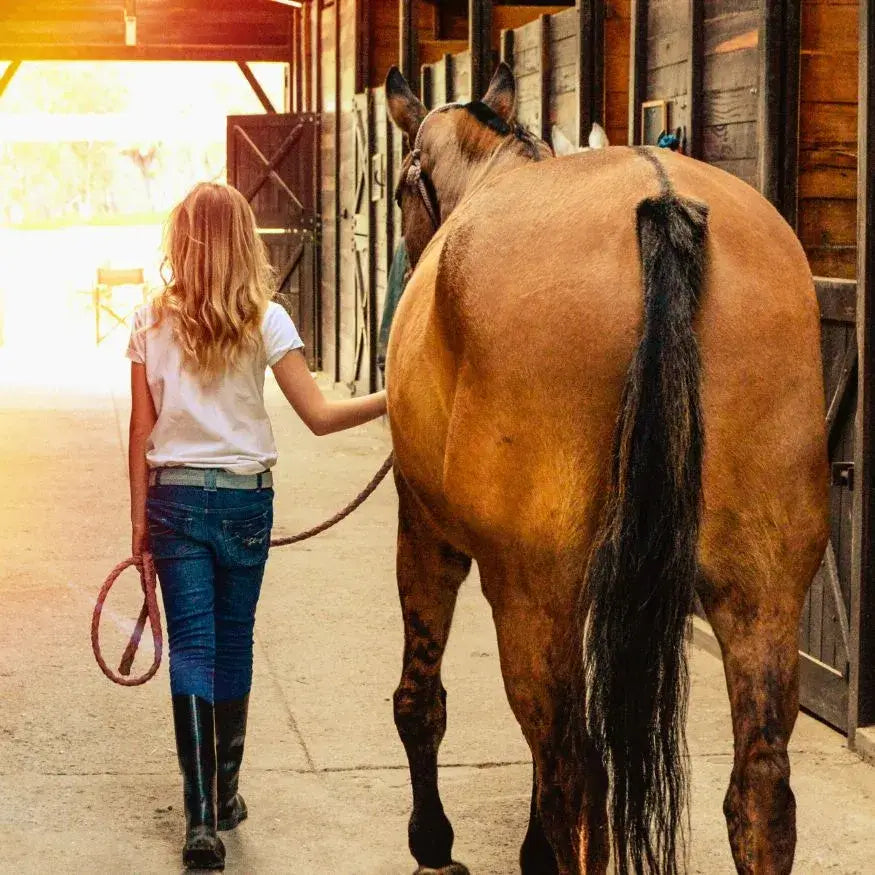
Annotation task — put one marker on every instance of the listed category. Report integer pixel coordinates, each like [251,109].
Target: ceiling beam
[47,52]
[8,73]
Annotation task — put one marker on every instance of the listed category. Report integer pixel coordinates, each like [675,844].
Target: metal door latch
[843,475]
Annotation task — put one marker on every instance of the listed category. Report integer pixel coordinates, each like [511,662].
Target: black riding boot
[230,737]
[196,748]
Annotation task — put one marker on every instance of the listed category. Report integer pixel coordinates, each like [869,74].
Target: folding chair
[109,279]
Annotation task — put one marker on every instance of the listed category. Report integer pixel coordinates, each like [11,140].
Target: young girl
[201,450]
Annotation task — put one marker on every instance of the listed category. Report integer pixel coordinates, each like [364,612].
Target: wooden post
[338,110]
[317,61]
[307,56]
[373,318]
[779,104]
[546,77]
[426,92]
[480,44]
[590,66]
[408,41]
[862,655]
[294,62]
[302,62]
[362,45]
[449,96]
[316,67]
[507,47]
[637,69]
[695,68]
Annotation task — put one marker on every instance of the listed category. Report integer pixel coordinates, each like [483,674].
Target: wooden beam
[480,44]
[278,53]
[779,103]
[862,655]
[695,71]
[8,74]
[408,41]
[256,87]
[637,69]
[546,62]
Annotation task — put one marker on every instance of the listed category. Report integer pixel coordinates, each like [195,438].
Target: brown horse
[605,387]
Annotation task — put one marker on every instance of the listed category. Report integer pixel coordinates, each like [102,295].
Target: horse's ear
[561,144]
[598,139]
[501,94]
[405,107]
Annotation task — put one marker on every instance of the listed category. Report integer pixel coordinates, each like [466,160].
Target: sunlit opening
[92,157]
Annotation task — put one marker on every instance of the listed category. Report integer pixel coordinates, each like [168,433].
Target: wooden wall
[730,74]
[346,93]
[668,57]
[384,35]
[544,62]
[828,136]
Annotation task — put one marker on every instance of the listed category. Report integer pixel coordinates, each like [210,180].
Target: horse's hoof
[453,869]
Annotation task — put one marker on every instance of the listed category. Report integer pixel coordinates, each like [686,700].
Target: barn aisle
[87,770]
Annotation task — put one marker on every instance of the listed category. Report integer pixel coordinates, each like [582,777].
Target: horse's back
[533,295]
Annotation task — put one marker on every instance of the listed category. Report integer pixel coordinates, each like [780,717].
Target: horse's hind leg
[757,631]
[537,640]
[429,572]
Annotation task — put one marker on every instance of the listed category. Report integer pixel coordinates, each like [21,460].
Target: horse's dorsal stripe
[650,156]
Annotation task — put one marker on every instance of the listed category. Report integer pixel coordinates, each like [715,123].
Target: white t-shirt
[221,425]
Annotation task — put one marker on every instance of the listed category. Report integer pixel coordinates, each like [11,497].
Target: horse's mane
[492,120]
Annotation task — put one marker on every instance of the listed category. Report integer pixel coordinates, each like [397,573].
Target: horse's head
[451,148]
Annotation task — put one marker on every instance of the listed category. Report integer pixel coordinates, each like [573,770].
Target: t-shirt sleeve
[136,351]
[280,334]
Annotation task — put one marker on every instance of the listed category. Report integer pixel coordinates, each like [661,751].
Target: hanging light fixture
[130,22]
[296,3]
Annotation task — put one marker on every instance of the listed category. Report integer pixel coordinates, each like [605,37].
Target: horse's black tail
[640,578]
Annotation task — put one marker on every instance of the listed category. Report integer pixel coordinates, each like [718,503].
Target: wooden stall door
[361,218]
[272,162]
[825,629]
[385,166]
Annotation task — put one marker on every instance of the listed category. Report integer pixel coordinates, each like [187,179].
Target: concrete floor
[88,779]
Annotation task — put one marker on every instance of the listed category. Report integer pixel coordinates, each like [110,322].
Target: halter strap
[417,178]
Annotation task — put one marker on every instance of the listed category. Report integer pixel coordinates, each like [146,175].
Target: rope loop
[150,610]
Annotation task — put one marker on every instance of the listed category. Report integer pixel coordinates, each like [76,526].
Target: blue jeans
[210,548]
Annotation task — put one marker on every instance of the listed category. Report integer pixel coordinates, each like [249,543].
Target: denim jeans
[210,548]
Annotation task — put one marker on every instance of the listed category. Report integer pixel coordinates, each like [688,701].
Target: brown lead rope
[360,499]
[151,612]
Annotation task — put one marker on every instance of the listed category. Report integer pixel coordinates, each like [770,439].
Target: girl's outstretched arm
[143,418]
[319,414]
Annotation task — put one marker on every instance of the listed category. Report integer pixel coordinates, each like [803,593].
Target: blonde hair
[220,280]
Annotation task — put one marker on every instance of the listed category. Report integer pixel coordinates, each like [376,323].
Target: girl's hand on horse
[319,414]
